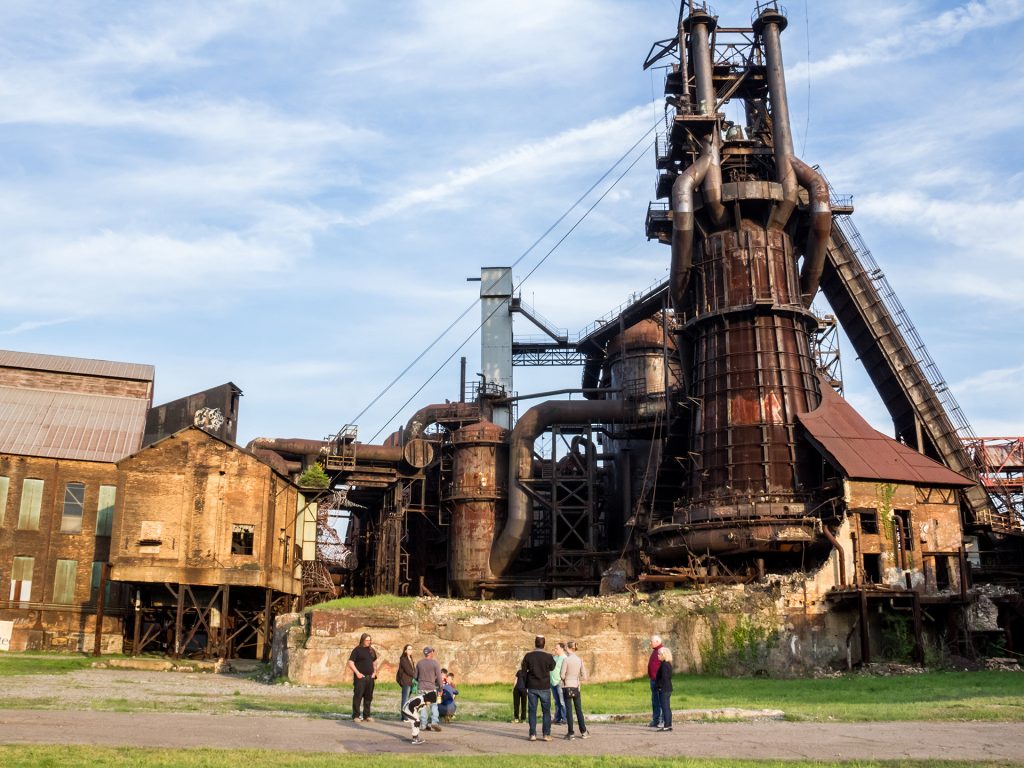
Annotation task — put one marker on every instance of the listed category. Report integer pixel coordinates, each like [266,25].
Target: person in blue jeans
[556,685]
[537,665]
[653,662]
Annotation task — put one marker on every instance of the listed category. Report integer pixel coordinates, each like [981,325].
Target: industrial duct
[529,427]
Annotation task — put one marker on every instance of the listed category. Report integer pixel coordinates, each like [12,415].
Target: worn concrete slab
[769,740]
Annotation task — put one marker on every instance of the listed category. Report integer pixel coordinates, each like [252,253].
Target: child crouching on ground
[411,712]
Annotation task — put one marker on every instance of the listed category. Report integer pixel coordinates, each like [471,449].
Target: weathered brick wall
[181,499]
[40,622]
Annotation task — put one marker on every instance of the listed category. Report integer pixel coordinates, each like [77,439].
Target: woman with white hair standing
[664,683]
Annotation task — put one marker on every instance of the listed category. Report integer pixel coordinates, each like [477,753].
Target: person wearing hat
[428,676]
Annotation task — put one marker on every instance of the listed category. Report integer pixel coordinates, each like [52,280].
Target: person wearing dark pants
[537,666]
[653,662]
[573,674]
[519,697]
[664,681]
[363,663]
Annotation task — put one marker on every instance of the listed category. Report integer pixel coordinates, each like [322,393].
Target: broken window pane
[21,578]
[74,505]
[241,539]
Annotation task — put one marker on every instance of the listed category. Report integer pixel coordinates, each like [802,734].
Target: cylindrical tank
[644,364]
[478,493]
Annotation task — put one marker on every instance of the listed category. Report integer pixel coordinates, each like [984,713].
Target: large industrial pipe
[430,414]
[529,427]
[701,24]
[820,228]
[683,225]
[790,171]
[840,553]
[312,449]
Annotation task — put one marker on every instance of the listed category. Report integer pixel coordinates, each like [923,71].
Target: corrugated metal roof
[79,365]
[863,453]
[38,422]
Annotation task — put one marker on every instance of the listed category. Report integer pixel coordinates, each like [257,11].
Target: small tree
[314,477]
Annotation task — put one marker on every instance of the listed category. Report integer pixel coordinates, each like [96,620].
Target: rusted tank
[478,493]
[643,365]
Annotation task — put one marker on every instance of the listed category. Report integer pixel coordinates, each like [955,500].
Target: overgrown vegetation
[376,601]
[740,649]
[22,756]
[314,477]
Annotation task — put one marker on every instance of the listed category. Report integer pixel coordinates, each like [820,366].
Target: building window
[868,521]
[872,568]
[74,505]
[908,540]
[5,483]
[94,587]
[64,582]
[105,510]
[241,539]
[21,578]
[31,503]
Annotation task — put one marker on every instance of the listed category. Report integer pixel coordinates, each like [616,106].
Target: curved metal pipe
[529,427]
[294,445]
[701,25]
[430,414]
[683,225]
[820,228]
[842,553]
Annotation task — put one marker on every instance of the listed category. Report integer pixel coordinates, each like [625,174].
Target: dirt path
[770,740]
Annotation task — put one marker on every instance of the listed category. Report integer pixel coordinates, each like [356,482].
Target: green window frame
[21,579]
[31,503]
[105,510]
[64,578]
[5,484]
[74,508]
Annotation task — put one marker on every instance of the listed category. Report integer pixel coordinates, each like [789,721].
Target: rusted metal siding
[39,422]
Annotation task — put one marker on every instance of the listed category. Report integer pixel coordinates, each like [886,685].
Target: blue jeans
[656,714]
[544,697]
[559,702]
[425,710]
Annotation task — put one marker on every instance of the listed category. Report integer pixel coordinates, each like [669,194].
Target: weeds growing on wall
[741,649]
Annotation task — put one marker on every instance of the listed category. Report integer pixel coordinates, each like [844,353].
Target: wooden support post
[963,575]
[100,605]
[225,610]
[918,629]
[865,637]
[180,601]
[263,640]
[136,632]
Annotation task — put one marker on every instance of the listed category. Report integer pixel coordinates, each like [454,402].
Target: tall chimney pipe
[701,25]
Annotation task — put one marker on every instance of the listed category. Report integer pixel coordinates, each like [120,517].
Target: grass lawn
[76,757]
[42,663]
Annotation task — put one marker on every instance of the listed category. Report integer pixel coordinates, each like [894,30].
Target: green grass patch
[359,603]
[42,664]
[996,696]
[81,757]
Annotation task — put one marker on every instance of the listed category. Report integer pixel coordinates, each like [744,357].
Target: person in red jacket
[653,663]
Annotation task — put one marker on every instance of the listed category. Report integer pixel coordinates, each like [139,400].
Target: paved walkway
[768,740]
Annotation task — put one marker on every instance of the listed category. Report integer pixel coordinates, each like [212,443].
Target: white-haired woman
[664,683]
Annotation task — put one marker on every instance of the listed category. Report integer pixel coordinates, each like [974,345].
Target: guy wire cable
[516,287]
[525,253]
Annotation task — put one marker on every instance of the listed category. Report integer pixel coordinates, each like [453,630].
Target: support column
[263,640]
[225,609]
[865,637]
[179,612]
[100,605]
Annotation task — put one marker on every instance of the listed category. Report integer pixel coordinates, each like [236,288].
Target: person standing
[537,665]
[653,662]
[405,675]
[574,672]
[428,676]
[664,681]
[364,665]
[556,685]
[519,697]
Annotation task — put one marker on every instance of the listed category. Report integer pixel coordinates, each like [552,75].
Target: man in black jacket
[537,665]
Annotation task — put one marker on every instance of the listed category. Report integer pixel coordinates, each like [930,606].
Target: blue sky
[291,196]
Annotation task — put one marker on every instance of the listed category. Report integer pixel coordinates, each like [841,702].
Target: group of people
[429,691]
[545,678]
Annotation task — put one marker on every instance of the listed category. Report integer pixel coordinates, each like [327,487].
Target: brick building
[63,423]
